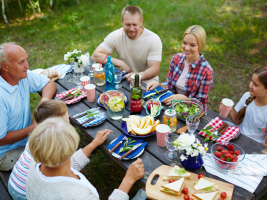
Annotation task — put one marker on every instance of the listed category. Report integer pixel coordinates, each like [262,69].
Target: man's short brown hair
[132,10]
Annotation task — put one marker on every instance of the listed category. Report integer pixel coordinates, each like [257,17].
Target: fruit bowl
[188,108]
[225,158]
[149,112]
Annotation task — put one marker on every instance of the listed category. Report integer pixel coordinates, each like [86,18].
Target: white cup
[85,80]
[133,78]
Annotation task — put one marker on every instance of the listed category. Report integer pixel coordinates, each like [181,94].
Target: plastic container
[183,115]
[224,165]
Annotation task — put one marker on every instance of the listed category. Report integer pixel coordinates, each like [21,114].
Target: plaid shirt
[198,80]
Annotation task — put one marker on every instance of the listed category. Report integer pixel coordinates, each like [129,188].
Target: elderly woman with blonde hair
[190,75]
[52,143]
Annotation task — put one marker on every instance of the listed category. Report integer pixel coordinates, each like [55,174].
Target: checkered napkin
[227,135]
[74,100]
[134,153]
[62,69]
[168,94]
[98,119]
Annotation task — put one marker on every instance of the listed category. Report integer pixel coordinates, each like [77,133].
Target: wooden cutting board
[153,191]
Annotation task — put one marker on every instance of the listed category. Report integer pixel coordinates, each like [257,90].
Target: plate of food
[139,126]
[104,97]
[71,96]
[184,109]
[116,155]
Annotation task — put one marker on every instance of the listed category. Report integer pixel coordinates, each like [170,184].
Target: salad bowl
[188,108]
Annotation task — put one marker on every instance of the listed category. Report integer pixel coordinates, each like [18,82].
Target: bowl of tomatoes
[227,156]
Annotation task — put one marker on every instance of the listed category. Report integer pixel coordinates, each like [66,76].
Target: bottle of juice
[136,97]
[110,75]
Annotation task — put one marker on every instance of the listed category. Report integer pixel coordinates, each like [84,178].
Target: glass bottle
[170,119]
[110,75]
[136,97]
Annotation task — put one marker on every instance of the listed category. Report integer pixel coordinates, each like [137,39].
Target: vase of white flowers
[80,61]
[192,151]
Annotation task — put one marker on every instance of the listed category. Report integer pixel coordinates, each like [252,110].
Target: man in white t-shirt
[138,49]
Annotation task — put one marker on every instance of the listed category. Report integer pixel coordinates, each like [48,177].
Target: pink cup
[85,80]
[133,78]
[226,106]
[162,130]
[90,92]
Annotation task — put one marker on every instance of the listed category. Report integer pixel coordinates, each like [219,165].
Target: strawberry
[223,159]
[230,147]
[234,155]
[219,148]
[228,155]
[218,154]
[234,159]
[237,152]
[231,152]
[224,152]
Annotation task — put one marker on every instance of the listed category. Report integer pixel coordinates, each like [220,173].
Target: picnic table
[153,155]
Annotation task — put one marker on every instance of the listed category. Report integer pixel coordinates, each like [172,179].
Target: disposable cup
[85,80]
[133,78]
[162,130]
[90,92]
[226,106]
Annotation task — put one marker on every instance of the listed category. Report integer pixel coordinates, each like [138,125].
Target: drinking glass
[99,76]
[115,105]
[169,139]
[192,124]
[90,67]
[118,75]
[77,76]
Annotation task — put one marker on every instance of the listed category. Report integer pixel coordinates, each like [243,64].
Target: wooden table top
[153,156]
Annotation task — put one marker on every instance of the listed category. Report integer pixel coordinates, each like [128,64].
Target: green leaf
[180,171]
[208,188]
[207,138]
[209,127]
[132,141]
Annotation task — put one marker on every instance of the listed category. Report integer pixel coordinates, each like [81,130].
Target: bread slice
[207,196]
[174,188]
[173,175]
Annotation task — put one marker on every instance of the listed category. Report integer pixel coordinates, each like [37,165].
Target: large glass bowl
[189,103]
[224,165]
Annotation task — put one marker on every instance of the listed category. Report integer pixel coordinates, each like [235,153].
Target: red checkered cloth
[74,100]
[227,135]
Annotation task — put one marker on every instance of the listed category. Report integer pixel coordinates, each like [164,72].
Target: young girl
[252,108]
[47,109]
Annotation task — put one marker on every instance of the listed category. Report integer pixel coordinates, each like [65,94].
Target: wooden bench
[4,194]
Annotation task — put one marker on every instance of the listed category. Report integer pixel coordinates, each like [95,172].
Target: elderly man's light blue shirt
[15,112]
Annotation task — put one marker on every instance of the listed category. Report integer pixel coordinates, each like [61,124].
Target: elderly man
[138,49]
[16,84]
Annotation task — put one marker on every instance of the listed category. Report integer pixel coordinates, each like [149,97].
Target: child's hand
[101,136]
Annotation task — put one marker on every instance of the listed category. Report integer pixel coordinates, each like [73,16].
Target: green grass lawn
[236,45]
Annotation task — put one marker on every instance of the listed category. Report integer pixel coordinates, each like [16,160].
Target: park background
[236,45]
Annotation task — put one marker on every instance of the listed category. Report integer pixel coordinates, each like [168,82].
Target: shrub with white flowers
[76,56]
[190,145]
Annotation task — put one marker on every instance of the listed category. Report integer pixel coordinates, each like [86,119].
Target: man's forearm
[15,136]
[149,74]
[49,90]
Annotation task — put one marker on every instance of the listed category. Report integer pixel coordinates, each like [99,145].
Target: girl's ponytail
[241,113]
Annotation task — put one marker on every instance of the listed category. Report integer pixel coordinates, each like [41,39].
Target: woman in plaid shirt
[190,75]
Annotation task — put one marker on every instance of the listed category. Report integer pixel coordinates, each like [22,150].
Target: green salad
[183,110]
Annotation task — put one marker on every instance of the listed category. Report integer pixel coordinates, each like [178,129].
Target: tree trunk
[51,4]
[20,6]
[3,12]
[38,5]
[33,8]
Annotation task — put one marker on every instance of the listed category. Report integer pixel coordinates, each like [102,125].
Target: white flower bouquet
[190,145]
[76,56]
